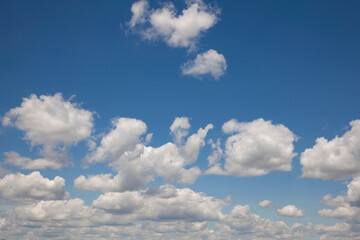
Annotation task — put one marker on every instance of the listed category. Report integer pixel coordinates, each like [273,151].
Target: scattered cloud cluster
[181,30]
[128,207]
[52,123]
[338,158]
[138,164]
[346,206]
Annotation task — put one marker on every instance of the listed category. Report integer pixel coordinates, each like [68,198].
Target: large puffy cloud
[31,187]
[50,122]
[181,30]
[338,158]
[256,148]
[290,211]
[210,62]
[138,164]
[165,203]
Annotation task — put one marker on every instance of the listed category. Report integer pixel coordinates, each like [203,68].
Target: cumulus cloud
[177,30]
[168,203]
[60,210]
[338,158]
[346,206]
[52,123]
[210,62]
[34,186]
[255,148]
[242,222]
[265,203]
[138,164]
[290,211]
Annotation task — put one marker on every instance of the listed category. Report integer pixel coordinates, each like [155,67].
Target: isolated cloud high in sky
[210,62]
[265,203]
[338,158]
[177,30]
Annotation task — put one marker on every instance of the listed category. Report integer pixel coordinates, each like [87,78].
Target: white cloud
[60,210]
[210,62]
[50,122]
[166,203]
[177,30]
[101,182]
[265,203]
[16,159]
[338,158]
[290,211]
[22,187]
[217,153]
[124,136]
[180,129]
[346,206]
[139,10]
[256,148]
[241,223]
[138,164]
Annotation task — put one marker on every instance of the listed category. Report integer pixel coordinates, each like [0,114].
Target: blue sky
[84,84]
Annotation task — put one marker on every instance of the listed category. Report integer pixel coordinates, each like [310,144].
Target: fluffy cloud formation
[165,212]
[210,62]
[242,223]
[138,164]
[290,211]
[177,30]
[256,148]
[50,122]
[265,203]
[346,206]
[338,158]
[22,187]
[165,203]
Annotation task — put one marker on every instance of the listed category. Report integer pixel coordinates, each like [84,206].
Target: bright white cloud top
[210,62]
[338,158]
[155,146]
[52,123]
[22,187]
[290,211]
[256,148]
[177,30]
[129,203]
